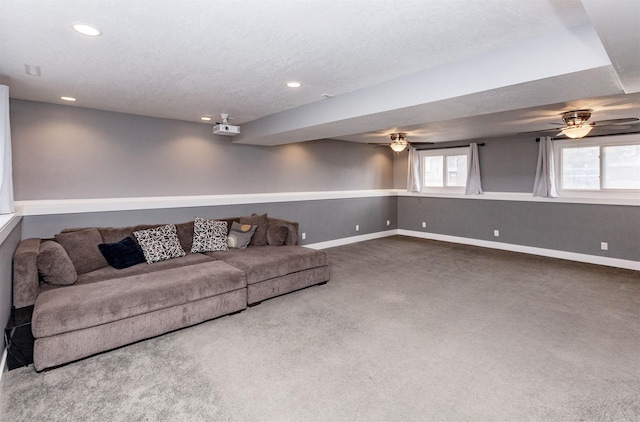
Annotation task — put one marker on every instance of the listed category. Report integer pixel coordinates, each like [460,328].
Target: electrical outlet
[304,235]
[424,224]
[357,227]
[496,233]
[604,246]
[388,223]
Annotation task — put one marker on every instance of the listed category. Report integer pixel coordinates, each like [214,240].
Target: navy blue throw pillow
[122,254]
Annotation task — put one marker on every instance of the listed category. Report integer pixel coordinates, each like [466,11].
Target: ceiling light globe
[577,132]
[399,145]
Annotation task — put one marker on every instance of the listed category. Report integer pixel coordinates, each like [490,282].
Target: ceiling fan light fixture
[398,142]
[577,132]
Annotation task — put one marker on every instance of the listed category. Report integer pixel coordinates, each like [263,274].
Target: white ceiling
[439,69]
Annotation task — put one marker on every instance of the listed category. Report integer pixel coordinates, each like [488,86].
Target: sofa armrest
[26,284]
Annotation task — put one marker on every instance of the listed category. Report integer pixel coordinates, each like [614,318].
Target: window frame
[600,141]
[444,152]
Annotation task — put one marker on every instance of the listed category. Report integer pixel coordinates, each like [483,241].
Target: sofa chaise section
[276,270]
[77,321]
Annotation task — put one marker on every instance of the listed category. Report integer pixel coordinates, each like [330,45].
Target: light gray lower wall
[7,248]
[575,228]
[321,220]
[65,152]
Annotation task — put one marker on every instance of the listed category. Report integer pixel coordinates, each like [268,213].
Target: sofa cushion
[265,262]
[122,254]
[209,235]
[108,273]
[82,247]
[115,234]
[292,229]
[160,243]
[54,264]
[240,235]
[81,306]
[185,235]
[276,235]
[260,221]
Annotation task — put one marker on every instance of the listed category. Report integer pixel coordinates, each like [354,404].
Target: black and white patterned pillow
[209,235]
[160,243]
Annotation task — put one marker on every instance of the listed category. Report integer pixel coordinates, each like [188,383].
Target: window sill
[7,223]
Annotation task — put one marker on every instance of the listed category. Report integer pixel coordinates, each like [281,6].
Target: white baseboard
[352,239]
[3,363]
[551,253]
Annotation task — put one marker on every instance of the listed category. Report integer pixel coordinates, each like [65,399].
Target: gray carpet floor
[406,330]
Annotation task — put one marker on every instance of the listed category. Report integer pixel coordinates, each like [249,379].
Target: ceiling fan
[577,124]
[399,142]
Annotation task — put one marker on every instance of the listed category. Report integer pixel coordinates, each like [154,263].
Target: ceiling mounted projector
[225,128]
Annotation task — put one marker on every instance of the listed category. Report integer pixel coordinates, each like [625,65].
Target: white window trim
[444,152]
[616,140]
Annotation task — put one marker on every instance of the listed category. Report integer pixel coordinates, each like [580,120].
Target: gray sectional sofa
[105,308]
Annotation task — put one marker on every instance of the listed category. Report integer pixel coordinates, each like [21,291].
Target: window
[598,167]
[444,170]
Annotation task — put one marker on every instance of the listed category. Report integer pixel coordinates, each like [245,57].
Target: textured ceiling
[442,69]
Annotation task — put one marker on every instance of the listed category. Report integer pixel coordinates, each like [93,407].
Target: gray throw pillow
[261,223]
[240,235]
[82,247]
[276,235]
[54,264]
[159,243]
[209,235]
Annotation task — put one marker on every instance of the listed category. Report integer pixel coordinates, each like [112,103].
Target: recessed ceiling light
[68,98]
[294,84]
[86,29]
[206,118]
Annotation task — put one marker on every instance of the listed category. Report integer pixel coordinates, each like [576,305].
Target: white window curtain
[474,185]
[6,178]
[413,172]
[545,181]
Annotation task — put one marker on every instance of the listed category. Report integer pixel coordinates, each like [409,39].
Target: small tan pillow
[54,264]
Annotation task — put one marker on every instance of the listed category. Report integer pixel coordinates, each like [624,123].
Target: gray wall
[64,152]
[509,165]
[506,164]
[6,254]
[321,220]
[566,227]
